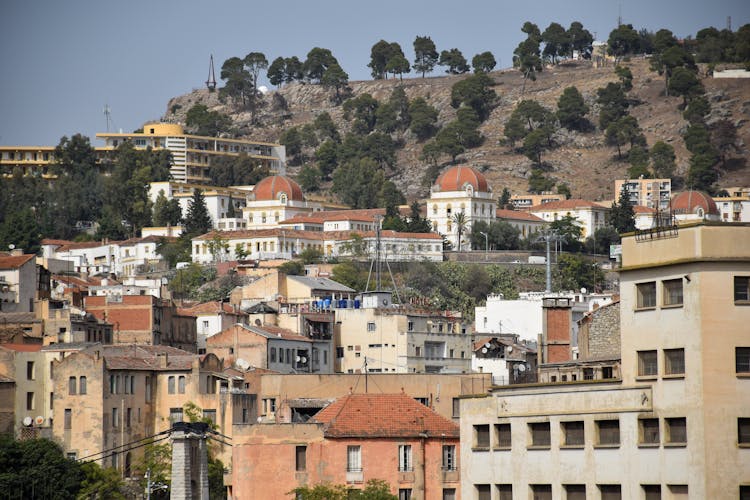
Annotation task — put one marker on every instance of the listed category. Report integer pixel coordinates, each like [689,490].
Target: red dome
[271,188]
[688,202]
[456,179]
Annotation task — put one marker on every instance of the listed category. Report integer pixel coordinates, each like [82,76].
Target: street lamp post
[486,243]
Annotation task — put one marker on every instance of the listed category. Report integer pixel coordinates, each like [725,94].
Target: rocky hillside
[581,160]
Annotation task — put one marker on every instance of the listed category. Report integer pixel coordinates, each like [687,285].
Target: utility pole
[486,244]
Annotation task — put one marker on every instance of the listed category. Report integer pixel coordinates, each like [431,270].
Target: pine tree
[197,219]
[622,216]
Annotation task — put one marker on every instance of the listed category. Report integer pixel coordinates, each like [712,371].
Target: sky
[64,61]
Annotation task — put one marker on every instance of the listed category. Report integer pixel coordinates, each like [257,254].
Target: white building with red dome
[274,200]
[460,189]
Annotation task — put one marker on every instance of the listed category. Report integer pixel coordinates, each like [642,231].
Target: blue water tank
[356,303]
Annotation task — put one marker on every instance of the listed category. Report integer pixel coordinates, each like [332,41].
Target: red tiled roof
[455,178]
[640,209]
[15,261]
[23,347]
[564,205]
[382,416]
[517,215]
[144,357]
[690,201]
[271,187]
[313,235]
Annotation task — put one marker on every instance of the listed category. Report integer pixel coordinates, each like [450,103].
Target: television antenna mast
[107,115]
[211,82]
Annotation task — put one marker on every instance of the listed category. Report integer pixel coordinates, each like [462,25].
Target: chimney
[557,319]
[163,359]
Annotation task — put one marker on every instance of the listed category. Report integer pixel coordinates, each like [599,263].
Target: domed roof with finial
[694,203]
[275,186]
[458,177]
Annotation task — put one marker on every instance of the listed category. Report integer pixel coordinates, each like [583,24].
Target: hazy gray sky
[63,60]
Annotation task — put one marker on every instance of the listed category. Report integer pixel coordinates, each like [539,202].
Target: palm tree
[459,219]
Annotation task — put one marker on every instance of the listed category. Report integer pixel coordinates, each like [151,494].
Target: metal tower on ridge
[211,82]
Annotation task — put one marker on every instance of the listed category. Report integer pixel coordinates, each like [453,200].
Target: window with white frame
[404,458]
[354,458]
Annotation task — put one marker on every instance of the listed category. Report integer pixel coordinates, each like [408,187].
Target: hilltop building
[460,189]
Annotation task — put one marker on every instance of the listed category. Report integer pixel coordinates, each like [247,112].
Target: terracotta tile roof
[271,187]
[455,178]
[640,209]
[23,347]
[313,235]
[143,357]
[571,204]
[270,331]
[15,261]
[517,215]
[382,416]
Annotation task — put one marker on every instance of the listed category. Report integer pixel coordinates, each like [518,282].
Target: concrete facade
[675,420]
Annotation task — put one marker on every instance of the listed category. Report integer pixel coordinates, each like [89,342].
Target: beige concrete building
[677,422]
[651,193]
[381,338]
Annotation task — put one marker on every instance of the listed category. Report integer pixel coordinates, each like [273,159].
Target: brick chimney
[557,318]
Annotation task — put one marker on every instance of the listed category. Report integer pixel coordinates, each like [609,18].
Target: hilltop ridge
[581,160]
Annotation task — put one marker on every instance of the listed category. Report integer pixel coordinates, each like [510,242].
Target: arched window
[263,217]
[283,198]
[434,209]
[448,209]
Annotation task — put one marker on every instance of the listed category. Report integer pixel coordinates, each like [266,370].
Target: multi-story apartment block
[734,208]
[356,438]
[464,190]
[22,283]
[192,154]
[114,397]
[676,424]
[381,338]
[651,193]
[526,201]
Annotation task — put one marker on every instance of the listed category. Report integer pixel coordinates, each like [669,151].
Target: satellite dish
[521,368]
[487,345]
[385,302]
[242,364]
[39,420]
[583,291]
[304,359]
[298,359]
[484,350]
[510,348]
[27,421]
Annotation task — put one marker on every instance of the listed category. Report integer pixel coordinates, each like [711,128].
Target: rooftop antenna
[211,82]
[107,115]
[729,23]
[619,15]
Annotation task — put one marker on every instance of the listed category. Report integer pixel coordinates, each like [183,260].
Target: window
[588,374]
[82,385]
[72,386]
[573,433]
[742,289]
[744,492]
[404,494]
[648,430]
[170,384]
[674,361]
[483,492]
[676,430]
[410,326]
[449,494]
[502,434]
[607,372]
[481,436]
[742,359]
[371,326]
[175,415]
[457,407]
[29,400]
[115,417]
[300,458]
[30,375]
[645,295]
[404,458]
[540,435]
[651,491]
[132,384]
[128,414]
[672,295]
[541,491]
[181,384]
[743,430]
[273,355]
[647,366]
[608,432]
[210,414]
[354,459]
[505,491]
[575,491]
[610,492]
[148,389]
[449,457]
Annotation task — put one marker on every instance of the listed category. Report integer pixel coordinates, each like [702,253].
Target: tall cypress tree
[197,219]
[622,216]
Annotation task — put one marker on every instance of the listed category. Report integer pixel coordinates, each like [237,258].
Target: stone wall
[599,336]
